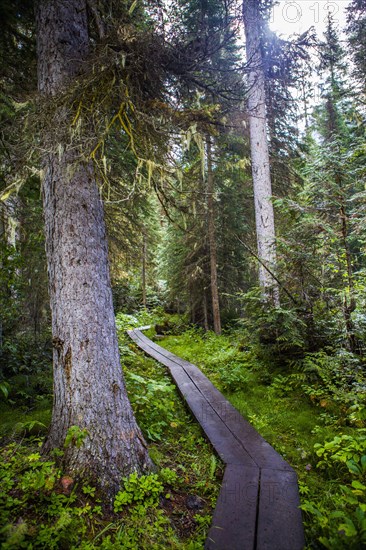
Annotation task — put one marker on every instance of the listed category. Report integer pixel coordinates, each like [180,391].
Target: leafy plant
[75,436]
[143,490]
[153,403]
[343,450]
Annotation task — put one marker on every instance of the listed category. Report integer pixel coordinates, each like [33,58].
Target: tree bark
[89,390]
[212,243]
[144,262]
[2,241]
[264,215]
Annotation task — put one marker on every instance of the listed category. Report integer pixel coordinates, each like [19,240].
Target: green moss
[14,421]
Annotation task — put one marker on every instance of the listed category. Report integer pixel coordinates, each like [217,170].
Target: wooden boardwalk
[258,505]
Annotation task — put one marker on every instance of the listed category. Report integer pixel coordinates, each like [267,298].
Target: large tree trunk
[89,390]
[212,242]
[259,150]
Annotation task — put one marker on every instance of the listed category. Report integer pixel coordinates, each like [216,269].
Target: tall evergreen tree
[253,23]
[356,35]
[89,390]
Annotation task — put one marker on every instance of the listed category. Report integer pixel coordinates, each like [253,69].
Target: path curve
[258,504]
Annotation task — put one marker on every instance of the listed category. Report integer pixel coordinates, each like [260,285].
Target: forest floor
[319,428]
[168,509]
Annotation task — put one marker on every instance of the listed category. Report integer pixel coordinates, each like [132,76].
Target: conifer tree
[89,391]
[266,246]
[356,35]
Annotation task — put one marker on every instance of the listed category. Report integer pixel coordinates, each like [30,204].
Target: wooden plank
[159,355]
[140,338]
[258,506]
[254,444]
[225,444]
[257,447]
[279,516]
[234,519]
[138,335]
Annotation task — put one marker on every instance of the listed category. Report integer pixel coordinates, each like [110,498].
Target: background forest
[163,114]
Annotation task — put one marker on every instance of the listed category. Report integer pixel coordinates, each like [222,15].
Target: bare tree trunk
[349,304]
[2,240]
[264,215]
[205,311]
[89,390]
[144,256]
[212,242]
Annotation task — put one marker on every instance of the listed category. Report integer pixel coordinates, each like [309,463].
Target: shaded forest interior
[180,165]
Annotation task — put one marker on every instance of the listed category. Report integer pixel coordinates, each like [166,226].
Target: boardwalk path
[258,505]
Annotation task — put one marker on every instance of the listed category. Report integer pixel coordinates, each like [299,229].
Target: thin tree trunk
[2,242]
[89,390]
[144,255]
[212,242]
[264,215]
[205,311]
[349,305]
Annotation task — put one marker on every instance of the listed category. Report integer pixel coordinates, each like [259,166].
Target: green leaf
[4,388]
[357,485]
[353,467]
[132,8]
[348,528]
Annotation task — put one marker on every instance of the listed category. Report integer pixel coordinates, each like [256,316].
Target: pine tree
[356,34]
[266,246]
[89,390]
[325,267]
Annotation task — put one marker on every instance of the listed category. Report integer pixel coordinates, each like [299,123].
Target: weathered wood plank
[224,442]
[279,516]
[254,444]
[257,447]
[157,352]
[258,505]
[140,338]
[234,520]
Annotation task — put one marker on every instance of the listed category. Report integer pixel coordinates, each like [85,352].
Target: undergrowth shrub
[26,369]
[279,334]
[340,522]
[153,403]
[142,492]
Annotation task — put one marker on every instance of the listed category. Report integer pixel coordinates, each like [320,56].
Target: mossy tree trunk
[89,390]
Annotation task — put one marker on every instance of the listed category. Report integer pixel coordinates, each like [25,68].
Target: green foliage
[75,436]
[336,382]
[279,333]
[168,476]
[4,389]
[26,366]
[154,404]
[142,492]
[343,523]
[29,482]
[343,452]
[10,262]
[218,356]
